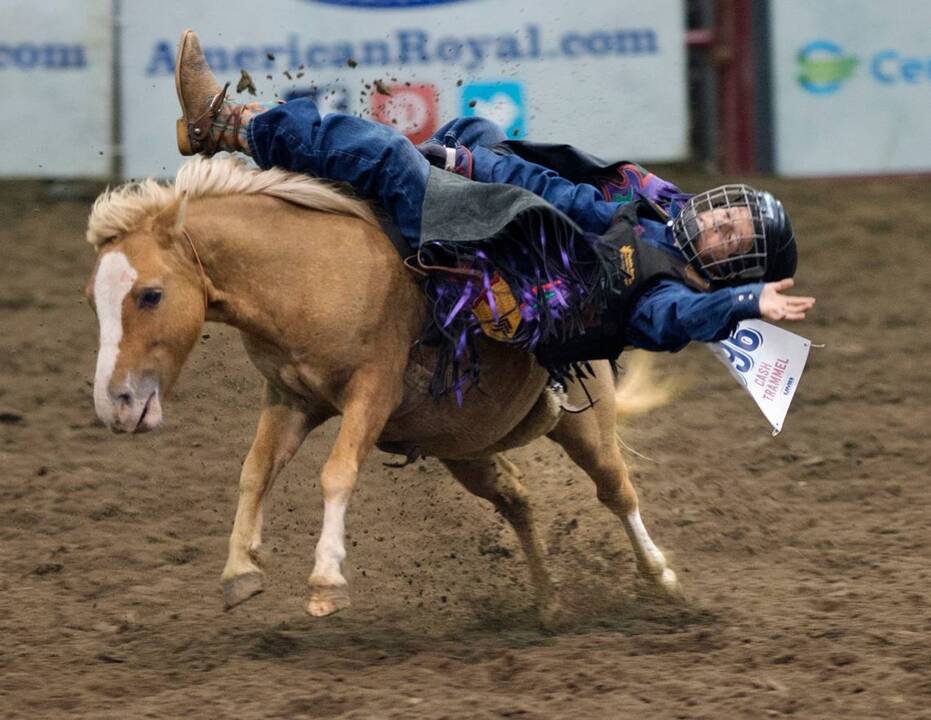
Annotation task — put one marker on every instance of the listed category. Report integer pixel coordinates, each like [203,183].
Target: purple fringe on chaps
[560,278]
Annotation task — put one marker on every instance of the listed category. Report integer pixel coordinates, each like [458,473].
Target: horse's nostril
[124,398]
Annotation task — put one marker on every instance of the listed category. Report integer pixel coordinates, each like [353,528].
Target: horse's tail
[640,389]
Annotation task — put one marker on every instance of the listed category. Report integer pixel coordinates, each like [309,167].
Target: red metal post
[699,37]
[734,56]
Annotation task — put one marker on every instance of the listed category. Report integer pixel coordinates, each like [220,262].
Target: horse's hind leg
[590,439]
[498,480]
[283,425]
[370,400]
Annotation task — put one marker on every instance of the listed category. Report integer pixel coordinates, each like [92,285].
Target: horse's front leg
[283,425]
[370,401]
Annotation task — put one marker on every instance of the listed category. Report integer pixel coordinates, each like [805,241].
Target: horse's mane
[120,210]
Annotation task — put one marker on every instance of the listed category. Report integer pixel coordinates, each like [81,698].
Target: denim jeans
[376,160]
[381,164]
[472,132]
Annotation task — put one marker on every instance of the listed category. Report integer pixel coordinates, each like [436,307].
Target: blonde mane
[122,209]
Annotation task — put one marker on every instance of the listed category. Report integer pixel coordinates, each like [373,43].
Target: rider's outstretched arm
[670,315]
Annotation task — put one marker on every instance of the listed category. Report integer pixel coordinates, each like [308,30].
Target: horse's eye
[150,298]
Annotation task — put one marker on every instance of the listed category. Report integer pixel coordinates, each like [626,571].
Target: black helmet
[735,233]
[781,250]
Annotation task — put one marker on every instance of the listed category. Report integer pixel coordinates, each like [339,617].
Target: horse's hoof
[665,585]
[327,599]
[669,585]
[240,588]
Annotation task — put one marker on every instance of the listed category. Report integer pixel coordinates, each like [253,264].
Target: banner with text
[55,71]
[608,76]
[852,86]
[768,361]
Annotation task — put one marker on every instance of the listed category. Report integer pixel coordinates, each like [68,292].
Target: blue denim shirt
[669,315]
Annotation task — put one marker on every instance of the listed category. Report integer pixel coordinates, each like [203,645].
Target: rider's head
[735,234]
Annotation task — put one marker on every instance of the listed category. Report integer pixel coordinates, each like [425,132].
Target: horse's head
[149,298]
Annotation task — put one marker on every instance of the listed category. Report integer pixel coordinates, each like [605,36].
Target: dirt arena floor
[805,557]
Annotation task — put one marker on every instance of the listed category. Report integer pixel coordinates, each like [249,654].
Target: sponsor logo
[384,4]
[890,67]
[410,109]
[48,56]
[411,46]
[501,102]
[823,67]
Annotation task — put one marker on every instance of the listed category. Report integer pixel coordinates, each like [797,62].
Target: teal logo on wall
[823,67]
[501,102]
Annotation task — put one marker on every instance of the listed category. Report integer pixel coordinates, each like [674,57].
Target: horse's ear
[169,222]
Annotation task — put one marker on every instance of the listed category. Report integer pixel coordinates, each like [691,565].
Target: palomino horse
[330,316]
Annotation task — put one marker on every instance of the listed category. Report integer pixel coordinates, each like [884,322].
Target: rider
[682,267]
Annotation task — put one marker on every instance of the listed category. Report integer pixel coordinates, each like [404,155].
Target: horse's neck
[234,267]
[262,256]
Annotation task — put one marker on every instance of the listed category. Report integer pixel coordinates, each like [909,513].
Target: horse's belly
[444,429]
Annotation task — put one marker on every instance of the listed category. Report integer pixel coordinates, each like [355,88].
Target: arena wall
[851,86]
[829,88]
[608,76]
[56,76]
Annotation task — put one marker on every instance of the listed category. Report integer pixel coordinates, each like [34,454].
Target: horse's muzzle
[135,407]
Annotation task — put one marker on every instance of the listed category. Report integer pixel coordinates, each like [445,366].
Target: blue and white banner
[768,362]
[606,75]
[55,73]
[852,86]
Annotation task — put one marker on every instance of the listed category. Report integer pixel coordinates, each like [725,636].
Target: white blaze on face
[114,279]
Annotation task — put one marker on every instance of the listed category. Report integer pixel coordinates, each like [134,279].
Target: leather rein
[200,265]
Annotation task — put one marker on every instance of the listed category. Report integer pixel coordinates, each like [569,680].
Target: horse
[331,316]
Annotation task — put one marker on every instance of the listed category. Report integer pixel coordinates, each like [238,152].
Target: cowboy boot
[207,118]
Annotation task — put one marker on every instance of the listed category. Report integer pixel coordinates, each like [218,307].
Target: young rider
[690,268]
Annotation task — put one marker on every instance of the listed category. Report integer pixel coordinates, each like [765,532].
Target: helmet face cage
[708,232]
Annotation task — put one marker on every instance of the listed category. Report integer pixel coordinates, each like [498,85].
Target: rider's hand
[776,306]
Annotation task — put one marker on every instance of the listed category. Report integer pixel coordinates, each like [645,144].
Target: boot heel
[184,142]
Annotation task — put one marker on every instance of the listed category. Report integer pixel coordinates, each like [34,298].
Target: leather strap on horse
[200,265]
[425,268]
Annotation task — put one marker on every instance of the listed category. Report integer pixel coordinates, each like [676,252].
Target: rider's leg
[379,162]
[582,202]
[471,132]
[375,159]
